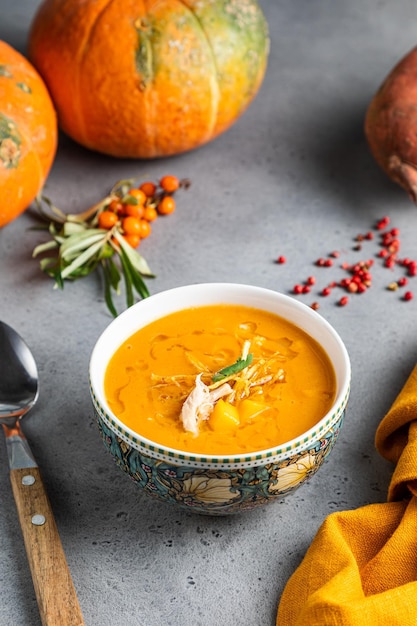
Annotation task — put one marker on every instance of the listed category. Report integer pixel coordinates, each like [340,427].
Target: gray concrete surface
[293,177]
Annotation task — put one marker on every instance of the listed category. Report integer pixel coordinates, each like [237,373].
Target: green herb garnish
[235,368]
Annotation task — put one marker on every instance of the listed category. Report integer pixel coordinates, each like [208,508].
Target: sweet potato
[391,124]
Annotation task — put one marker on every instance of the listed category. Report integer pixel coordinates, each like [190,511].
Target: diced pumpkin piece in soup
[249,409]
[224,418]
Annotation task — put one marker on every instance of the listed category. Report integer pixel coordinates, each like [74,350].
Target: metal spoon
[55,591]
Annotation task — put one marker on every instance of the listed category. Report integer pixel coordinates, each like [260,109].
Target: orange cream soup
[141,393]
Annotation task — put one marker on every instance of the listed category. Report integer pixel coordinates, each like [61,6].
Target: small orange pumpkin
[28,133]
[149,78]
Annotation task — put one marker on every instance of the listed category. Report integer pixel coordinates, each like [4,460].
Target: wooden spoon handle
[55,591]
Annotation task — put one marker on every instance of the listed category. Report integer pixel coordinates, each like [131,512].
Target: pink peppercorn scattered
[358,276]
[412,268]
[281,259]
[383,223]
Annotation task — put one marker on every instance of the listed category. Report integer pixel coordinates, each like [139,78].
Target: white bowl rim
[202,294]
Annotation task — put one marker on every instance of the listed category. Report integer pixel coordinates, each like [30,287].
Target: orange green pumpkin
[28,133]
[149,78]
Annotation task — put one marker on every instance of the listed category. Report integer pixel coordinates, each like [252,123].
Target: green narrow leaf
[128,281]
[136,278]
[58,280]
[108,284]
[84,270]
[47,262]
[106,252]
[81,241]
[54,272]
[114,275]
[44,247]
[140,286]
[135,258]
[70,228]
[81,259]
[128,199]
[235,368]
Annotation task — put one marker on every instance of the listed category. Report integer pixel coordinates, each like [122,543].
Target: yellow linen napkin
[361,568]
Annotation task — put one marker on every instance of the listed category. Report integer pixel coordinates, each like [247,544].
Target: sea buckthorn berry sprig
[106,236]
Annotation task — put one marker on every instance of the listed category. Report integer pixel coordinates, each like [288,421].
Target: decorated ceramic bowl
[208,484]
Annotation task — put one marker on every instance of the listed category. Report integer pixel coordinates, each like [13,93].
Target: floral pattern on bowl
[218,491]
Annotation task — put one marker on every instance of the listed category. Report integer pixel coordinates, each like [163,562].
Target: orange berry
[150,214]
[132,240]
[116,206]
[139,194]
[107,219]
[134,210]
[169,183]
[131,225]
[166,206]
[144,229]
[148,188]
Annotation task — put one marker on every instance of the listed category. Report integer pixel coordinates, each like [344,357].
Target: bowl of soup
[218,398]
